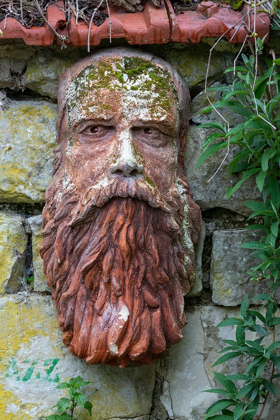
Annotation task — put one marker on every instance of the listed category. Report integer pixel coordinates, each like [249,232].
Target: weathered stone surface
[43,73]
[34,361]
[198,286]
[186,379]
[189,365]
[25,169]
[40,284]
[192,61]
[6,79]
[213,194]
[230,263]
[210,317]
[13,242]
[201,103]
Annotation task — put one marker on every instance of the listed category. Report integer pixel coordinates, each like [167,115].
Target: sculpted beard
[115,261]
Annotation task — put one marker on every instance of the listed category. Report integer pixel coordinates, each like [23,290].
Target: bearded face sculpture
[120,223]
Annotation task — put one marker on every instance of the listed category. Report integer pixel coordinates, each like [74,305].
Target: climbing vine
[255,96]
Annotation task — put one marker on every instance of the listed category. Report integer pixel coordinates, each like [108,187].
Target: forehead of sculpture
[127,85]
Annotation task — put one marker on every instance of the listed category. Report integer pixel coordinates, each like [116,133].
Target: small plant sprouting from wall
[65,407]
[254,95]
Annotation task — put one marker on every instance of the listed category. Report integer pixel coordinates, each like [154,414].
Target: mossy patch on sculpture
[136,77]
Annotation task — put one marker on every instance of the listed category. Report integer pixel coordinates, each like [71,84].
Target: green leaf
[63,404]
[260,178]
[237,68]
[239,377]
[275,360]
[63,385]
[246,175]
[215,125]
[275,228]
[260,368]
[262,296]
[244,391]
[253,245]
[78,382]
[266,157]
[240,334]
[226,382]
[274,346]
[244,306]
[80,399]
[238,410]
[272,388]
[275,321]
[235,93]
[212,137]
[88,407]
[258,315]
[53,417]
[230,321]
[218,406]
[238,108]
[253,363]
[238,157]
[254,205]
[219,391]
[259,329]
[213,148]
[220,417]
[226,357]
[255,345]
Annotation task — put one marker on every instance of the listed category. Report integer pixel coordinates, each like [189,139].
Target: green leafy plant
[30,280]
[255,96]
[65,407]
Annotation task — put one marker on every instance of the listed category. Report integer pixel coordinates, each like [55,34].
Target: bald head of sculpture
[115,251]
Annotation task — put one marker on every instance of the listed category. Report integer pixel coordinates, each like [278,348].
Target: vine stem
[270,379]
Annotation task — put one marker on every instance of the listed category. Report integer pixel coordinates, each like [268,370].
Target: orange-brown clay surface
[120,224]
[44,36]
[154,25]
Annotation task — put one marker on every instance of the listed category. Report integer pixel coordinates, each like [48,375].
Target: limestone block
[34,360]
[26,168]
[40,284]
[43,73]
[13,242]
[213,194]
[229,265]
[191,62]
[186,379]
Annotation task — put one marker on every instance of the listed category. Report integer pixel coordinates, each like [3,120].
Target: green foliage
[30,280]
[65,406]
[256,139]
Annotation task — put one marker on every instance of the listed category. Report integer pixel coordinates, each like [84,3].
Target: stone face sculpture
[120,223]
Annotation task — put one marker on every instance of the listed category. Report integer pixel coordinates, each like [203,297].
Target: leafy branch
[255,96]
[65,407]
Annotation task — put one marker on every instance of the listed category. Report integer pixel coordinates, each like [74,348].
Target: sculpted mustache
[96,197]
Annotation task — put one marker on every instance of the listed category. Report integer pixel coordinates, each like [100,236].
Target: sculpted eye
[148,131]
[151,136]
[95,132]
[94,129]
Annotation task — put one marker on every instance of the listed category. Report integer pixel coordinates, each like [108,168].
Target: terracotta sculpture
[119,222]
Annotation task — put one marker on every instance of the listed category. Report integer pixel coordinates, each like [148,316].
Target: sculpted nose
[126,168]
[127,163]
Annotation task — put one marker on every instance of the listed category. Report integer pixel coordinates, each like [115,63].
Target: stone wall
[33,358]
